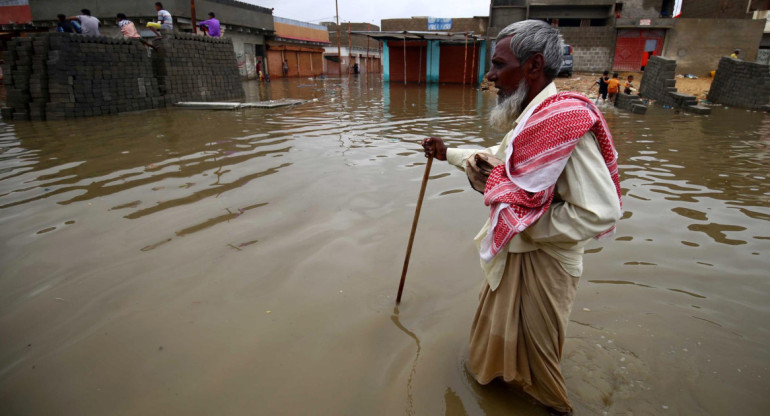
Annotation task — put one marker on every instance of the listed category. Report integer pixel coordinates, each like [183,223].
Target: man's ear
[535,66]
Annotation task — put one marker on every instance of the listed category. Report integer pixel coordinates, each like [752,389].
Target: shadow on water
[402,328]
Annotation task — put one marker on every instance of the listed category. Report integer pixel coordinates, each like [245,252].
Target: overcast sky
[372,11]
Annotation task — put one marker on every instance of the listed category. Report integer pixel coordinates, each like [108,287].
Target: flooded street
[247,262]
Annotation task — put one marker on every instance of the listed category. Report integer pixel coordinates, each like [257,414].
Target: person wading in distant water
[554,188]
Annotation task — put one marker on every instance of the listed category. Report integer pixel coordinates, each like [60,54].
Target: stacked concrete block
[632,103]
[689,103]
[91,76]
[57,76]
[197,68]
[741,84]
[659,80]
[38,79]
[17,71]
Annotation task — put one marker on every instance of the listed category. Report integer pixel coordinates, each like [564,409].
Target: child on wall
[629,86]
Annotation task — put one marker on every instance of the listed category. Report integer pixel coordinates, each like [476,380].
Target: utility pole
[367,49]
[350,48]
[192,16]
[339,54]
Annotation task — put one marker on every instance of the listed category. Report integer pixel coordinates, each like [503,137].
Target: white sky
[372,11]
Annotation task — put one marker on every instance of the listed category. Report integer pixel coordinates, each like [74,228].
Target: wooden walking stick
[414,228]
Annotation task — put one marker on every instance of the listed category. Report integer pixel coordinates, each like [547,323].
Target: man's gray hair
[533,36]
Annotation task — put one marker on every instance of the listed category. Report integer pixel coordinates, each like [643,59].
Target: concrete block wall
[91,76]
[741,84]
[699,44]
[592,47]
[196,68]
[61,76]
[763,56]
[17,70]
[632,103]
[659,80]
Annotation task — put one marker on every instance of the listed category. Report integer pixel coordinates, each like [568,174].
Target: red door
[631,45]
[451,61]
[416,59]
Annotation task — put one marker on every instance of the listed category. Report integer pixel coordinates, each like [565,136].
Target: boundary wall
[659,80]
[51,76]
[741,84]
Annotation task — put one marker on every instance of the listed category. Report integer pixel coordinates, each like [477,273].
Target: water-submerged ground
[202,262]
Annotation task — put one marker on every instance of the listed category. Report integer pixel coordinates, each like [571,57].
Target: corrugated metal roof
[418,35]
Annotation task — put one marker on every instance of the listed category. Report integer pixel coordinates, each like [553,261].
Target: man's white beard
[505,112]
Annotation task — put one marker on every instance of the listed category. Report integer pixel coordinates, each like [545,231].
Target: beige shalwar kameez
[521,321]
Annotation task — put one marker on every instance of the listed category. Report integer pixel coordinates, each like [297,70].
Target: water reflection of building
[622,35]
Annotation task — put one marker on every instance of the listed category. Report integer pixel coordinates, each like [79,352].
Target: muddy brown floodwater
[246,262]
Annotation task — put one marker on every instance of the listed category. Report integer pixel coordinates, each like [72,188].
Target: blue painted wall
[482,59]
[385,61]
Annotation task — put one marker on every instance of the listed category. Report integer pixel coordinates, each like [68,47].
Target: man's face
[506,71]
[157,7]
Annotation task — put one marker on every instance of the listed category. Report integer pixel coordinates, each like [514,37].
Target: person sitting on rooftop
[127,27]
[89,24]
[211,26]
[165,21]
[64,25]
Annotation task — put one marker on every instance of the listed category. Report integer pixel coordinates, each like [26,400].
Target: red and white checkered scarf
[520,191]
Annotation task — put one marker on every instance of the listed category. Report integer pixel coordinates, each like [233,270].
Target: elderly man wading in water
[553,187]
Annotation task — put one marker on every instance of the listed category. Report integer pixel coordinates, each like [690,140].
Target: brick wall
[740,84]
[722,9]
[593,47]
[58,75]
[197,68]
[641,9]
[356,40]
[699,44]
[763,56]
[477,25]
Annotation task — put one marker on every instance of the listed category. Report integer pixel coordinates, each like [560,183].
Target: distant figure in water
[603,83]
[549,195]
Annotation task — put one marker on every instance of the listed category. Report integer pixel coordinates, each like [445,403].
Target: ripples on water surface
[205,262]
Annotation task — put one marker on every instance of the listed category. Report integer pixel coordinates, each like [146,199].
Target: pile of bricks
[38,79]
[659,80]
[741,84]
[61,76]
[659,84]
[16,77]
[197,68]
[632,103]
[95,75]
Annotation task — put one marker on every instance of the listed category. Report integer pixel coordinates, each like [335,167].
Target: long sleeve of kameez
[586,202]
[457,156]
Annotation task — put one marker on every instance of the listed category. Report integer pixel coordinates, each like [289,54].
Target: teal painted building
[431,57]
